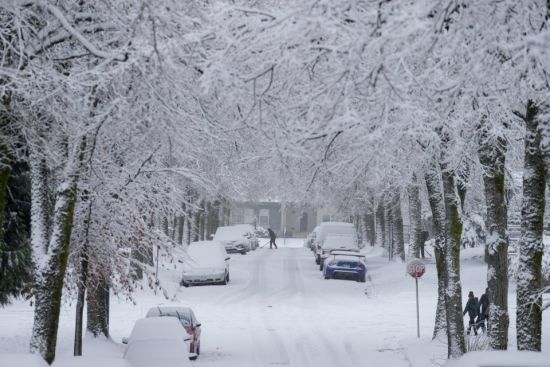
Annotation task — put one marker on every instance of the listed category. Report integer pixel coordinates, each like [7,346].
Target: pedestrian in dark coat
[272,238]
[471,309]
[483,310]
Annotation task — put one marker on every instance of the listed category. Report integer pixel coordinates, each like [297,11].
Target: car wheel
[184,283]
[243,252]
[327,277]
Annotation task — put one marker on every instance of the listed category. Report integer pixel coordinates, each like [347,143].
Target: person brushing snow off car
[272,238]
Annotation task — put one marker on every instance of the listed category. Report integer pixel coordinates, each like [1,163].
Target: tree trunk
[492,156]
[415,213]
[531,247]
[380,224]
[453,294]
[82,282]
[98,307]
[388,240]
[397,226]
[181,224]
[51,262]
[435,198]
[202,223]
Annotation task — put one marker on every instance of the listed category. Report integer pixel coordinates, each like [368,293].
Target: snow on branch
[80,37]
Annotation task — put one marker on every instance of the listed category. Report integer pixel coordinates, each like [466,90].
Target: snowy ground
[278,310]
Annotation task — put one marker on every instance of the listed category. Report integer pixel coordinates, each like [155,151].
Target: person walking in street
[483,311]
[471,309]
[272,238]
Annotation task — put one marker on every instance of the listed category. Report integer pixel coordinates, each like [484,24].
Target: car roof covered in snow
[335,228]
[86,361]
[348,257]
[350,252]
[228,233]
[340,241]
[22,360]
[162,328]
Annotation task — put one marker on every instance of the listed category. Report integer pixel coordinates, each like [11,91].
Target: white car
[207,263]
[234,239]
[188,321]
[158,341]
[331,228]
[336,242]
[22,360]
[249,232]
[87,361]
[501,358]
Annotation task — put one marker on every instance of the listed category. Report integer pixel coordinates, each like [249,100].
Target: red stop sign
[416,268]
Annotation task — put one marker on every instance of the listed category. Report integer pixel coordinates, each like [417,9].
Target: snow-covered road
[279,311]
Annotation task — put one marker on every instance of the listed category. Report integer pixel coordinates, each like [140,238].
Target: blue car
[345,264]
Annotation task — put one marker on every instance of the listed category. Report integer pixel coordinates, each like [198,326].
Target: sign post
[416,269]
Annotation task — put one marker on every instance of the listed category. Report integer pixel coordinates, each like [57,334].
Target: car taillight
[362,266]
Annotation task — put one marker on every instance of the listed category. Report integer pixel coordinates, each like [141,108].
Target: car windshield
[205,255]
[339,242]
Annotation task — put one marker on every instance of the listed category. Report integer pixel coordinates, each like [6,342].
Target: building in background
[289,220]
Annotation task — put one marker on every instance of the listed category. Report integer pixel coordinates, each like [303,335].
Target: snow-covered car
[310,239]
[158,341]
[345,264]
[501,358]
[187,319]
[207,262]
[88,361]
[336,242]
[249,232]
[234,239]
[331,228]
[22,360]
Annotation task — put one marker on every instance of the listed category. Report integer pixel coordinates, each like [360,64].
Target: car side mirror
[124,340]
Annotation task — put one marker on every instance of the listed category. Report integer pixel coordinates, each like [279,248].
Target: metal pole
[417,312]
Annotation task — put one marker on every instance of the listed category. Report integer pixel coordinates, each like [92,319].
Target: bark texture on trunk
[492,156]
[453,294]
[415,214]
[81,286]
[98,301]
[397,226]
[51,262]
[435,199]
[531,247]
